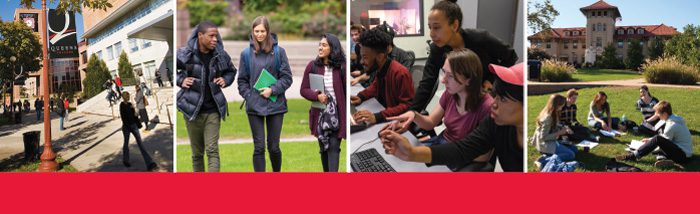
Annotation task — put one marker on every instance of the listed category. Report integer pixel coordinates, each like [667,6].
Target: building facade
[578,45]
[143,29]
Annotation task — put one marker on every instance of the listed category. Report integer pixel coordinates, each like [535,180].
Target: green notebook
[265,81]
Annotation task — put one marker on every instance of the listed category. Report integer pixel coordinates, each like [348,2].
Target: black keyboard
[369,161]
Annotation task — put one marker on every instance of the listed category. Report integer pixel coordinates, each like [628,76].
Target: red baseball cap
[512,75]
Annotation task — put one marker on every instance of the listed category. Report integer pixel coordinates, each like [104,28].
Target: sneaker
[665,164]
[626,157]
[660,157]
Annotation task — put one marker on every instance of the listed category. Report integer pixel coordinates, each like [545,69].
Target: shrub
[669,70]
[556,71]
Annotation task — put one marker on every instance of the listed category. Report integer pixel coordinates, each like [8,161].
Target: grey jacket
[189,100]
[545,138]
[140,104]
[248,75]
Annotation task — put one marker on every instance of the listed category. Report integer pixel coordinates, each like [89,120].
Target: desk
[371,133]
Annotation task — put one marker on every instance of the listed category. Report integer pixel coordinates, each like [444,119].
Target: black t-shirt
[487,136]
[209,105]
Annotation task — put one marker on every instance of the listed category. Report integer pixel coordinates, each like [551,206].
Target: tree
[73,5]
[202,10]
[96,74]
[537,53]
[126,70]
[20,43]
[635,55]
[609,58]
[686,46]
[540,15]
[656,48]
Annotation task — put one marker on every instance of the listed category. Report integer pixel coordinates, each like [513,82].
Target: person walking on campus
[118,82]
[159,80]
[141,104]
[131,125]
[204,68]
[328,124]
[39,107]
[61,111]
[66,106]
[265,106]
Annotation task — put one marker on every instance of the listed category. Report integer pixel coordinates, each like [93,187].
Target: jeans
[274,129]
[566,152]
[134,129]
[61,119]
[437,140]
[143,114]
[204,136]
[595,124]
[39,115]
[670,149]
[330,158]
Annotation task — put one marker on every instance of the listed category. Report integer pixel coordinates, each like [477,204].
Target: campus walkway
[537,88]
[93,139]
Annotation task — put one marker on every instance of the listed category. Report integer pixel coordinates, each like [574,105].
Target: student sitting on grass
[548,132]
[393,85]
[646,104]
[502,131]
[568,118]
[462,106]
[599,114]
[674,140]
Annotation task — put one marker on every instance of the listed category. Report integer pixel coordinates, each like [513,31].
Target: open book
[634,145]
[265,81]
[612,133]
[585,143]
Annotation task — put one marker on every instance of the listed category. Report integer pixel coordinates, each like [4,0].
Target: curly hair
[375,39]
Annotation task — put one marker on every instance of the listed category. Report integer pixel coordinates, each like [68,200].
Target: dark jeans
[330,157]
[670,149]
[274,129]
[614,125]
[143,115]
[582,133]
[204,137]
[134,129]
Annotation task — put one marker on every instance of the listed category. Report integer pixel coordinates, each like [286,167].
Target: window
[575,45]
[110,55]
[575,33]
[630,31]
[133,45]
[598,42]
[605,13]
[84,57]
[566,44]
[599,13]
[621,32]
[567,33]
[620,44]
[593,27]
[145,43]
[605,26]
[549,44]
[118,48]
[593,14]
[640,31]
[99,54]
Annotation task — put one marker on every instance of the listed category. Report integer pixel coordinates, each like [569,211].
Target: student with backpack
[265,105]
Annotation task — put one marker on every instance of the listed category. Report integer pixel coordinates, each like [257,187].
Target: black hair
[451,10]
[388,30]
[645,88]
[504,89]
[336,58]
[202,27]
[375,39]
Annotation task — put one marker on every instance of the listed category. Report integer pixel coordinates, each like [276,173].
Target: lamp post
[48,157]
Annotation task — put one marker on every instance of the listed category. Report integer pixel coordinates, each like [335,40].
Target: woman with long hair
[548,132]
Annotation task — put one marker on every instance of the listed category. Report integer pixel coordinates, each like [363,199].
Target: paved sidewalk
[536,88]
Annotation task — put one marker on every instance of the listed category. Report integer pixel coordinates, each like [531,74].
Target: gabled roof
[601,5]
[649,30]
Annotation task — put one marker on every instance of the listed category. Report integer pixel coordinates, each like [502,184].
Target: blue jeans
[134,129]
[566,152]
[437,140]
[61,119]
[39,114]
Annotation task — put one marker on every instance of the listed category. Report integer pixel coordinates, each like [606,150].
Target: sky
[7,12]
[676,13]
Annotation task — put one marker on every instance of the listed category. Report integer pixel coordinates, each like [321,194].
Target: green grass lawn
[236,126]
[588,75]
[17,164]
[296,157]
[622,102]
